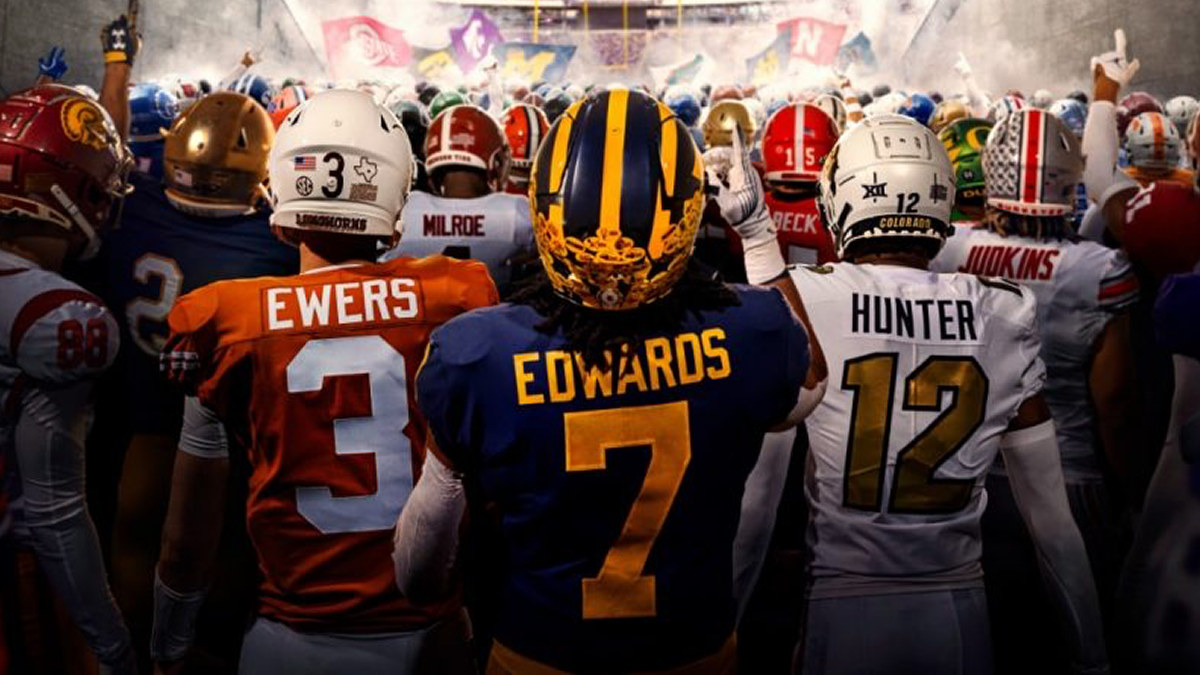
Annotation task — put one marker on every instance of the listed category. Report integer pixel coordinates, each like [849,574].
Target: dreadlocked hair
[598,335]
[1036,227]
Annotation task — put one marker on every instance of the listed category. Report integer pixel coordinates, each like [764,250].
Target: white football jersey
[1079,285]
[493,229]
[926,371]
[52,332]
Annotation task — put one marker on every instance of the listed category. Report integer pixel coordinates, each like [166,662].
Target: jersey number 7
[621,590]
[872,379]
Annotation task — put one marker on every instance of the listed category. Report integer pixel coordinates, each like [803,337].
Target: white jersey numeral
[156,309]
[381,434]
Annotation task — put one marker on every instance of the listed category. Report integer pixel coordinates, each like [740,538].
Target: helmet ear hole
[384,125]
[242,142]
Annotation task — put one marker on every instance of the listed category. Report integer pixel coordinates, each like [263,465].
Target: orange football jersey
[314,376]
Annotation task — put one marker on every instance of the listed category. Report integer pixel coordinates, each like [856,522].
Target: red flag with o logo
[360,43]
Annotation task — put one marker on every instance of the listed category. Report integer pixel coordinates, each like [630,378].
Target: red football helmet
[525,126]
[726,92]
[62,161]
[796,142]
[1133,105]
[1162,228]
[465,136]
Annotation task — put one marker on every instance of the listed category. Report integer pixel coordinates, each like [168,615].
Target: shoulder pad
[63,335]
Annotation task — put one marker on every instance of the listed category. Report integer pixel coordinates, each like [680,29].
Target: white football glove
[1117,67]
[741,196]
[743,204]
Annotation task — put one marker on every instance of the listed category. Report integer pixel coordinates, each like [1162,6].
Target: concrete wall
[1029,44]
[1012,43]
[198,38]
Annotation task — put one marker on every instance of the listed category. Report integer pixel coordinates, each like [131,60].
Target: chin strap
[93,240]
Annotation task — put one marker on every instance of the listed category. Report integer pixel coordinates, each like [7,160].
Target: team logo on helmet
[83,122]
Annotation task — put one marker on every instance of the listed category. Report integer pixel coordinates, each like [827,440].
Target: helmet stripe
[614,164]
[1033,156]
[1160,137]
[667,151]
[798,119]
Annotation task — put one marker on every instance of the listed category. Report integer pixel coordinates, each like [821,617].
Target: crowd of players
[316,443]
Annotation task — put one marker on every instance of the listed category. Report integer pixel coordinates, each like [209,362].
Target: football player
[524,126]
[313,375]
[796,141]
[1159,589]
[62,168]
[205,222]
[1109,186]
[931,376]
[612,415]
[1155,149]
[1084,293]
[468,215]
[964,140]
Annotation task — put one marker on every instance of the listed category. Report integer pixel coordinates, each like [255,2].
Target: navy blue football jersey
[1175,317]
[159,254]
[620,488]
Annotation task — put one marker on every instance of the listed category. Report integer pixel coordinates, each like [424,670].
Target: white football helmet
[1032,165]
[888,176]
[1181,110]
[1153,142]
[340,163]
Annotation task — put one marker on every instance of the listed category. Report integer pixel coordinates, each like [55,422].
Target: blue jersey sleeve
[1176,321]
[782,351]
[444,387]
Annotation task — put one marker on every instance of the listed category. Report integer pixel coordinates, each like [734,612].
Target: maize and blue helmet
[256,87]
[919,107]
[152,109]
[686,107]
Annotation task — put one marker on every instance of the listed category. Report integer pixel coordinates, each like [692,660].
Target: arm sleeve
[49,451]
[203,434]
[1101,175]
[1035,472]
[426,538]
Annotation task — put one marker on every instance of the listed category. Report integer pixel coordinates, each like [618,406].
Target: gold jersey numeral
[621,590]
[915,489]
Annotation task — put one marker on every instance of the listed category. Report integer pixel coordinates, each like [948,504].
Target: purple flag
[474,40]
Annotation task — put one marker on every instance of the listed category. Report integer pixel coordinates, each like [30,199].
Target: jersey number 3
[621,590]
[381,434]
[872,379]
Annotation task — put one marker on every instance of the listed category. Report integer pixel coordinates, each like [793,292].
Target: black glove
[120,43]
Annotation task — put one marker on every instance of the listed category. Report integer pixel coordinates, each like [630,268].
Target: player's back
[1078,285]
[620,488]
[493,229]
[314,376]
[160,253]
[925,373]
[802,235]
